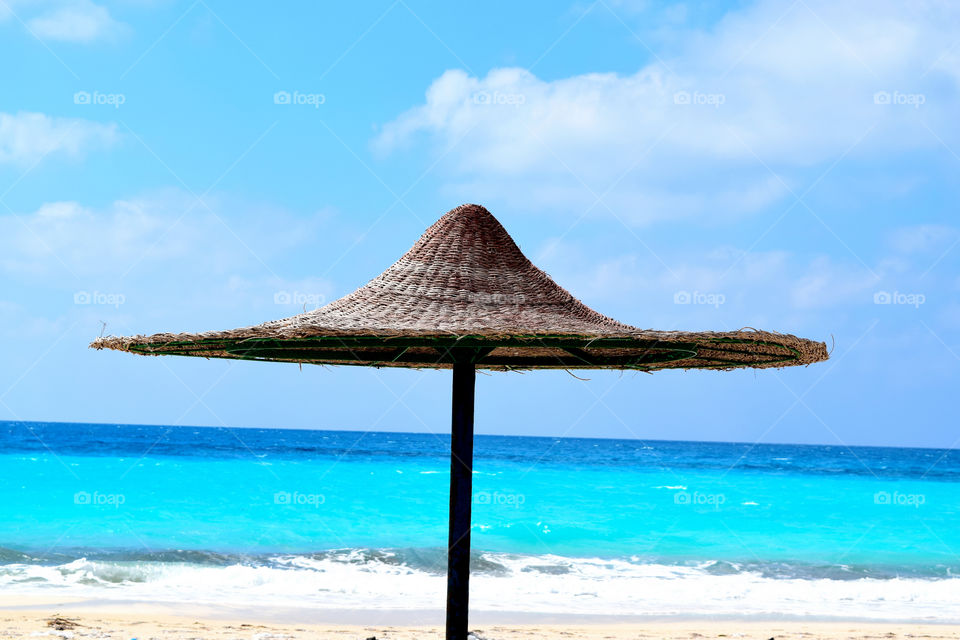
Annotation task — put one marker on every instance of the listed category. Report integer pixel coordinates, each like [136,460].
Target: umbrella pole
[461,487]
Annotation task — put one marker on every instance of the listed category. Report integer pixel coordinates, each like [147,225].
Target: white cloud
[27,137]
[924,238]
[66,236]
[169,261]
[77,21]
[166,230]
[778,85]
[730,288]
[782,290]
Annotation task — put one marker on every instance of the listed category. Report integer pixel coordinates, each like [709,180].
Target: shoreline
[24,617]
[73,606]
[343,589]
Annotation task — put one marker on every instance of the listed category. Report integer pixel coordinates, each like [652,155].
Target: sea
[333,520]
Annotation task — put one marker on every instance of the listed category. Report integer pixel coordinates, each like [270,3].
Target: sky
[173,165]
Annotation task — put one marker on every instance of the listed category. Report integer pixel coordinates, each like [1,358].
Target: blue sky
[169,166]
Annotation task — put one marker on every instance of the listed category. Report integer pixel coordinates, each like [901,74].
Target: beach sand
[34,618]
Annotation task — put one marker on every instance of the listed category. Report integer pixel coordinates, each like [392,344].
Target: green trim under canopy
[507,353]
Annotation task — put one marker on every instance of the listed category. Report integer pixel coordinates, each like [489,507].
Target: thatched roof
[466,291]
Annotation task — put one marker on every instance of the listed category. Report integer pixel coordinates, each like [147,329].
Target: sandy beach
[36,617]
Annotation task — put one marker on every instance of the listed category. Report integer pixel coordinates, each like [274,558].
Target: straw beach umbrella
[466,298]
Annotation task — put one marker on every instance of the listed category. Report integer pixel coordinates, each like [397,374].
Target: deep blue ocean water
[336,518]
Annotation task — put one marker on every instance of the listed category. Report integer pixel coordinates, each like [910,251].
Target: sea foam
[414,579]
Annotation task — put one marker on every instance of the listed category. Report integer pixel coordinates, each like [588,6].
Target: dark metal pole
[461,488]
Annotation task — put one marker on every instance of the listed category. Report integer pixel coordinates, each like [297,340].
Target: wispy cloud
[727,287]
[27,137]
[77,21]
[158,232]
[924,238]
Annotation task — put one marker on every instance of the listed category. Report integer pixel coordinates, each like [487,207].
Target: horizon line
[482,435]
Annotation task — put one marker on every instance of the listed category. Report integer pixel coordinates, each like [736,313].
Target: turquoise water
[140,511]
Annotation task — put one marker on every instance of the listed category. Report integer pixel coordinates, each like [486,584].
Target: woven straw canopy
[465,292]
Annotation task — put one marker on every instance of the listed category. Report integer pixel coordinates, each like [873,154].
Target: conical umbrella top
[465,283]
[464,276]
